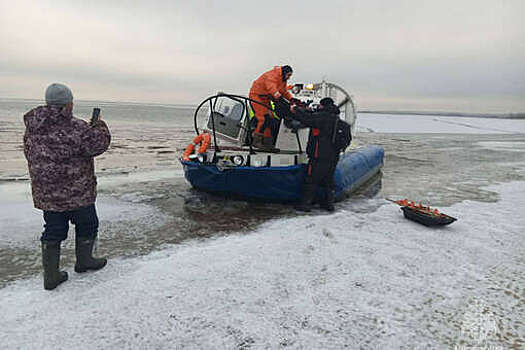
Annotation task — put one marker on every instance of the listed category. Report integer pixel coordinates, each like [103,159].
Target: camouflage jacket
[59,149]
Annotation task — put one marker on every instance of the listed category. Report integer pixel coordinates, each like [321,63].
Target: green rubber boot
[85,259]
[51,260]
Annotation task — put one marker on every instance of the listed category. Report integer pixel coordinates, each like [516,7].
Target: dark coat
[59,149]
[322,122]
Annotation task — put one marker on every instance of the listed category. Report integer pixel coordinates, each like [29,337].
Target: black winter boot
[268,145]
[308,197]
[51,261]
[328,202]
[85,259]
[258,140]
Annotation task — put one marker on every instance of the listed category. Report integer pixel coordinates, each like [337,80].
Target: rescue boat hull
[282,183]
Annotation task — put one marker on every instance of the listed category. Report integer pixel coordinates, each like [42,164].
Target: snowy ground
[321,281]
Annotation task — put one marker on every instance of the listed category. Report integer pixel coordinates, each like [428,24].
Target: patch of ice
[510,146]
[138,197]
[139,176]
[389,123]
[21,223]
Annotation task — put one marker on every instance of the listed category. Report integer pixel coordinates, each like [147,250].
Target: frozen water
[21,223]
[516,146]
[370,280]
[390,123]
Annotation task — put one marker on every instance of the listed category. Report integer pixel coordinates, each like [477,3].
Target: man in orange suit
[270,86]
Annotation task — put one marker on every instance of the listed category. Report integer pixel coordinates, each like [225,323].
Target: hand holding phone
[95,117]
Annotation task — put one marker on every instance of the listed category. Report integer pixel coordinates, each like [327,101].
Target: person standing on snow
[323,155]
[270,86]
[59,149]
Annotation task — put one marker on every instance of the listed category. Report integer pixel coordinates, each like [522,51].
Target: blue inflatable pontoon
[282,183]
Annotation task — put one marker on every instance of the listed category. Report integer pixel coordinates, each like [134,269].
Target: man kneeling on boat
[322,153]
[269,87]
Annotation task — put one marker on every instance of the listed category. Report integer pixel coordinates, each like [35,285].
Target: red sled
[423,214]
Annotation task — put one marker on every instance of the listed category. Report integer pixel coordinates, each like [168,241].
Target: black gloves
[297,102]
[282,107]
[282,103]
[293,124]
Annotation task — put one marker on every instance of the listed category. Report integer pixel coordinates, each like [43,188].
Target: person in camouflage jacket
[59,149]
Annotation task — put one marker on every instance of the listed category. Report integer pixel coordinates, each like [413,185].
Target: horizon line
[440,112]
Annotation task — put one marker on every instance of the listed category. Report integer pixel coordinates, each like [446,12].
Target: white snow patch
[510,146]
[21,224]
[391,123]
[347,279]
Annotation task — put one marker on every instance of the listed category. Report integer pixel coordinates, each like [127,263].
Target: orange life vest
[204,139]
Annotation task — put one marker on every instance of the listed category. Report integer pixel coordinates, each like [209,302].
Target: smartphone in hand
[95,117]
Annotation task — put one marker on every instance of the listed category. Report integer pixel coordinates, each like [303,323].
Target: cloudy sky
[464,55]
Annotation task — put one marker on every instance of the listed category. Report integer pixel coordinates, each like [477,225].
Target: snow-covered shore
[318,282]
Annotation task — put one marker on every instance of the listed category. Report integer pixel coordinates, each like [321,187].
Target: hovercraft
[235,169]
